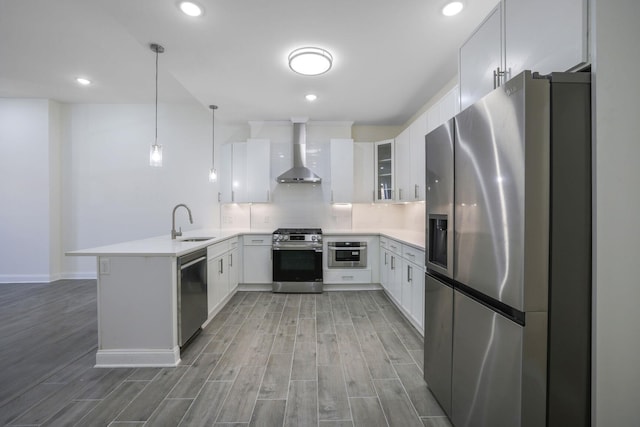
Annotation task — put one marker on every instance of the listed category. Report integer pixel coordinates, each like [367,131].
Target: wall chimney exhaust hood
[299,173]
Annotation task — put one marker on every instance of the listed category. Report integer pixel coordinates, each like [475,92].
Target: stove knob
[314,238]
[285,237]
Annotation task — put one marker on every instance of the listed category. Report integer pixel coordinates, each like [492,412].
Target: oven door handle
[297,248]
[346,248]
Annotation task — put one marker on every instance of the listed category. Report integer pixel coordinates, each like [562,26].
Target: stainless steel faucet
[175,233]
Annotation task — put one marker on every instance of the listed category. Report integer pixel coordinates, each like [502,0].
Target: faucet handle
[179,233]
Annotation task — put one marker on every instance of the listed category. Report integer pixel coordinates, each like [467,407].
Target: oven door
[297,264]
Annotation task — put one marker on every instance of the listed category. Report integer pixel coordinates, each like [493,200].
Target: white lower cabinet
[221,280]
[402,277]
[413,291]
[257,265]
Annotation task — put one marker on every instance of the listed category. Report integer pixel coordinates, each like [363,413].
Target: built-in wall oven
[297,260]
[347,255]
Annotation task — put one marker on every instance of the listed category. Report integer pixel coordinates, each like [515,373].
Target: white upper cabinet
[545,35]
[541,36]
[481,59]
[258,171]
[384,171]
[363,181]
[245,171]
[342,170]
[403,167]
[417,131]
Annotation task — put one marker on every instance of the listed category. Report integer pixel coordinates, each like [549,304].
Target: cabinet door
[225,176]
[342,170]
[257,266]
[417,295]
[384,164]
[395,277]
[233,264]
[363,167]
[239,173]
[384,268]
[560,44]
[403,166]
[217,282]
[258,171]
[417,131]
[480,57]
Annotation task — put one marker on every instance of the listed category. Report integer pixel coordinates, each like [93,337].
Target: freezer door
[438,342]
[487,367]
[439,183]
[502,194]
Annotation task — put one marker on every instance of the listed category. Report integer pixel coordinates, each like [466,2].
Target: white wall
[111,194]
[617,203]
[27,213]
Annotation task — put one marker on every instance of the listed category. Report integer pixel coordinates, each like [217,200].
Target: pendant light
[213,175]
[155,154]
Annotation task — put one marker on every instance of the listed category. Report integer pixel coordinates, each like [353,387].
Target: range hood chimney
[299,173]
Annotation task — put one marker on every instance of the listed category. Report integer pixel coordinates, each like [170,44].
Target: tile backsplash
[301,205]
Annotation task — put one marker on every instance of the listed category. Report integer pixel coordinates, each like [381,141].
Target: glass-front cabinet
[384,174]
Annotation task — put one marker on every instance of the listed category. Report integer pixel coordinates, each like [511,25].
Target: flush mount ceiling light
[155,154]
[452,8]
[83,81]
[310,61]
[310,97]
[190,8]
[213,175]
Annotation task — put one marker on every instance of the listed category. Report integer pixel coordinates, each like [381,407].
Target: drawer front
[217,249]
[413,255]
[257,240]
[384,242]
[233,242]
[395,247]
[339,276]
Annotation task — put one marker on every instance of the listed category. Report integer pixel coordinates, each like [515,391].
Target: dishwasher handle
[195,261]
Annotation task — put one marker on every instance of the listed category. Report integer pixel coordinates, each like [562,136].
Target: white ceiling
[390,57]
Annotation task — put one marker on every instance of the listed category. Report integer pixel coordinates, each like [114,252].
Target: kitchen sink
[196,239]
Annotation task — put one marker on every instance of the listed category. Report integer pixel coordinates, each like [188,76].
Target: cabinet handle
[257,240]
[385,258]
[221,269]
[233,196]
[416,192]
[393,263]
[331,196]
[347,277]
[373,195]
[219,196]
[409,278]
[230,260]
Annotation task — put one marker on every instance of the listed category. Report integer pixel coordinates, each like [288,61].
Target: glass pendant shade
[213,175]
[155,155]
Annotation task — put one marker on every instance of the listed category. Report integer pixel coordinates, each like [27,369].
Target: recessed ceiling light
[452,8]
[310,61]
[82,81]
[311,97]
[190,8]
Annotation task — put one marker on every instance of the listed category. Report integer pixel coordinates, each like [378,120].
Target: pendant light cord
[156,96]
[213,133]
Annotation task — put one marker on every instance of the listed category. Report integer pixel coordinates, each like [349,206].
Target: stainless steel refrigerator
[508,282]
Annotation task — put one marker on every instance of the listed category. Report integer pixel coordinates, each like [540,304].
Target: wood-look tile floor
[331,359]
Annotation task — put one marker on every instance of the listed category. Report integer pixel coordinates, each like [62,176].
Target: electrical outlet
[105,266]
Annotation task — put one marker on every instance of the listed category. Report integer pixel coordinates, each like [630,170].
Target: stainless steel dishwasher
[192,294]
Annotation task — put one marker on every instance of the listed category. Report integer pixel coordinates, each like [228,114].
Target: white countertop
[165,246]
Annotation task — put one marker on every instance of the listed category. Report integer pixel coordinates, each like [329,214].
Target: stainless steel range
[297,260]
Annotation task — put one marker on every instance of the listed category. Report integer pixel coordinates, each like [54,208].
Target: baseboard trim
[137,358]
[27,278]
[83,275]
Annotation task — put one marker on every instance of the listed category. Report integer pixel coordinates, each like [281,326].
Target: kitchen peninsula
[138,315]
